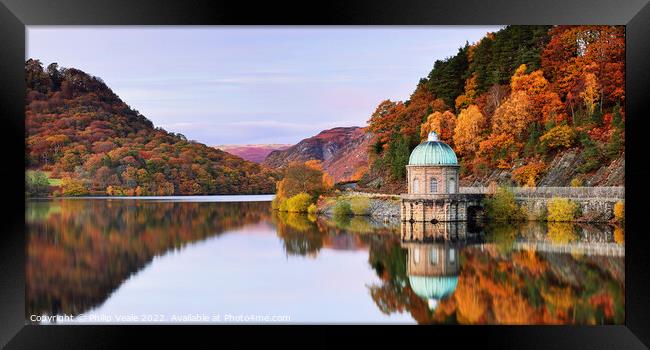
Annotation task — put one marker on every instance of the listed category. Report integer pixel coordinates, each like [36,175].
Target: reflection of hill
[498,284]
[79,251]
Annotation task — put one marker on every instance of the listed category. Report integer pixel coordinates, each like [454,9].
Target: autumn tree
[300,177]
[545,104]
[442,123]
[590,94]
[513,116]
[469,130]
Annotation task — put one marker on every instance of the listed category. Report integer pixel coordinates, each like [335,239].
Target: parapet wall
[596,203]
[604,193]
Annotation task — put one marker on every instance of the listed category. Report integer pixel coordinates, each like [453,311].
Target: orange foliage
[527,175]
[442,123]
[472,307]
[545,104]
[513,116]
[470,127]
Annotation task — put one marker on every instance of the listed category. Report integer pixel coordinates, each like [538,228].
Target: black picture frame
[15,333]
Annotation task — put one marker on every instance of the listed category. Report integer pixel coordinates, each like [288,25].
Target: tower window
[433,257]
[433,185]
[416,185]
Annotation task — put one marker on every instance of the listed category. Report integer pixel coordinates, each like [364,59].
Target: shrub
[619,211]
[299,203]
[501,206]
[360,205]
[283,206]
[561,136]
[576,182]
[561,209]
[342,208]
[528,174]
[312,209]
[275,203]
[36,183]
[73,187]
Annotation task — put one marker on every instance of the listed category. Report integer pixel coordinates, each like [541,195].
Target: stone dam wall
[596,203]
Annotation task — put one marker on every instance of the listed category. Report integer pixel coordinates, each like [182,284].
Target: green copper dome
[433,287]
[433,152]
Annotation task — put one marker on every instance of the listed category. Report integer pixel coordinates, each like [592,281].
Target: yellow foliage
[561,232]
[470,93]
[590,94]
[619,211]
[619,235]
[576,182]
[559,136]
[513,116]
[73,187]
[469,127]
[298,203]
[561,209]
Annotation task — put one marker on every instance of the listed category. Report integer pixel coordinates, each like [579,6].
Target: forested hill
[517,103]
[82,133]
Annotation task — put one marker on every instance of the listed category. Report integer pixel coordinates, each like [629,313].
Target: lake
[231,259]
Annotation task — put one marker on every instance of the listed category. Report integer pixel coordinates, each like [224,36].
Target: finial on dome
[433,136]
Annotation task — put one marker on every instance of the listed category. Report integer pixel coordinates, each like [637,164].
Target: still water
[230,259]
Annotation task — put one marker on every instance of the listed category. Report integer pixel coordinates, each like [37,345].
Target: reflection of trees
[394,294]
[299,235]
[499,285]
[304,234]
[80,250]
[502,234]
[562,232]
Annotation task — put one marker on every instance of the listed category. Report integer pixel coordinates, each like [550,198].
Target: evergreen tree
[447,79]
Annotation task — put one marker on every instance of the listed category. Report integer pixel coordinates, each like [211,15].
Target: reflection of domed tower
[432,270]
[432,168]
[426,231]
[432,183]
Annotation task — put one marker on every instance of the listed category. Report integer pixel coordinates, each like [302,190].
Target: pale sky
[244,85]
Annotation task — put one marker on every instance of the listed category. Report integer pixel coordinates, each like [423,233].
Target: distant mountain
[78,130]
[343,152]
[254,153]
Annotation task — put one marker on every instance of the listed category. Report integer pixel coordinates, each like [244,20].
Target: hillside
[252,153]
[342,151]
[79,131]
[527,105]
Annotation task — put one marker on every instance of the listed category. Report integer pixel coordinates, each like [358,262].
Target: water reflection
[509,274]
[80,252]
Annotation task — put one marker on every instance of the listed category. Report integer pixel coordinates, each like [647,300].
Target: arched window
[452,185]
[416,185]
[416,256]
[433,185]
[433,257]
